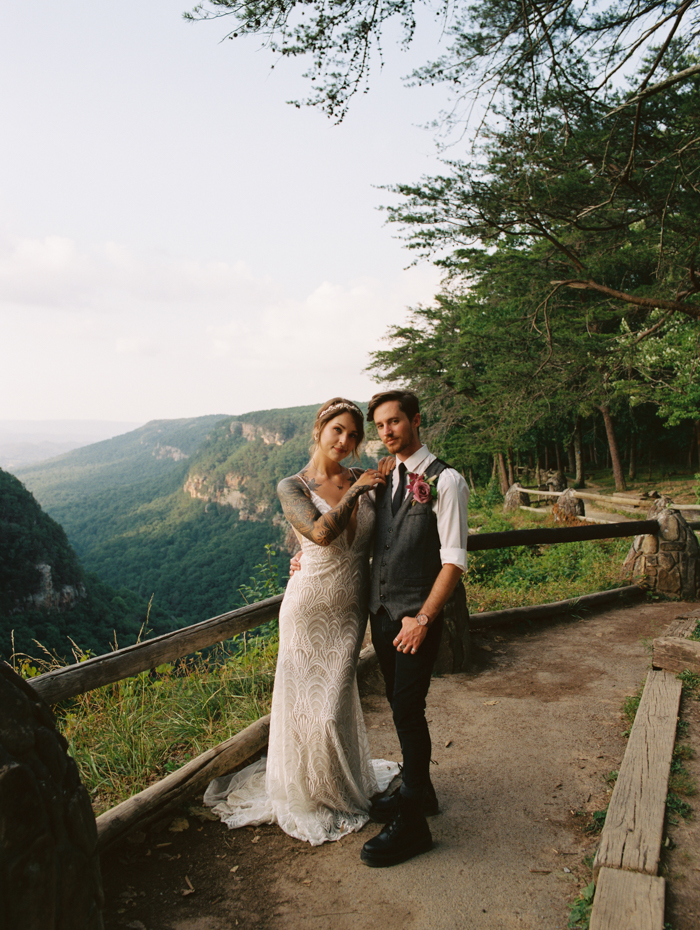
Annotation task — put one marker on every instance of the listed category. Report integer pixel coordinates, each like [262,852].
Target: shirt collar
[414,461]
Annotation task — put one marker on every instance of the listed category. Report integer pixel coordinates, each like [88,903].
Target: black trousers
[407,679]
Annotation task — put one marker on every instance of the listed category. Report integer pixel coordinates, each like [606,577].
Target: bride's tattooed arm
[309,521]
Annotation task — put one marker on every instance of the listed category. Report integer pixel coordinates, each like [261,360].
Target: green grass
[129,734]
[580,915]
[527,575]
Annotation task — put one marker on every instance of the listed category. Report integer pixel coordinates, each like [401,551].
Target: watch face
[422,619]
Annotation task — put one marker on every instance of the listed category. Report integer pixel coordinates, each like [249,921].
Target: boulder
[568,507]
[669,561]
[49,868]
[516,497]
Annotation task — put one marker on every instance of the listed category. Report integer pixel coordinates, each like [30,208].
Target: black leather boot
[384,810]
[407,835]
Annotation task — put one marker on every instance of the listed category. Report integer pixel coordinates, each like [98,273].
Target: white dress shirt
[450,507]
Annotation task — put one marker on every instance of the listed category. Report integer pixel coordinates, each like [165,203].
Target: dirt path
[522,745]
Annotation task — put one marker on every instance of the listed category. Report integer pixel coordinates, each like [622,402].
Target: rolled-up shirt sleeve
[451,511]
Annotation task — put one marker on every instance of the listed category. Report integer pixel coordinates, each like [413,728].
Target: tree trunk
[697,433]
[613,448]
[557,452]
[691,449]
[578,453]
[594,444]
[546,457]
[538,477]
[503,473]
[511,470]
[471,478]
[571,455]
[494,470]
[649,478]
[633,457]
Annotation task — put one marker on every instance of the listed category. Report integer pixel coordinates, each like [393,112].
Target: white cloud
[153,335]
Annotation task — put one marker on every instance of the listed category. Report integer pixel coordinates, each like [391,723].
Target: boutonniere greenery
[422,488]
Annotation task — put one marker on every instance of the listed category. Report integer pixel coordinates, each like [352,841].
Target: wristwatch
[423,620]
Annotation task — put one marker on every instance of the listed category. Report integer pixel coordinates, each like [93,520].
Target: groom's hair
[408,402]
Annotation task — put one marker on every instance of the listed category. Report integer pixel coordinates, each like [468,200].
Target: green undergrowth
[580,915]
[525,575]
[129,734]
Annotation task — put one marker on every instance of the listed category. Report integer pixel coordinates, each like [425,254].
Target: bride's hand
[386,465]
[369,480]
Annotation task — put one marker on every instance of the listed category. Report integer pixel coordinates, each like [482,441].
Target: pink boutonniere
[422,488]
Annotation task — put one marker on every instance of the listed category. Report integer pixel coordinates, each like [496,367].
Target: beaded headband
[340,405]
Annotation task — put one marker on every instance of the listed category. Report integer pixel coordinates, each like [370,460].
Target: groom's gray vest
[406,558]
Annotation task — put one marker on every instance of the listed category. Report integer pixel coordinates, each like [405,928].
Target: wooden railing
[155,801]
[103,670]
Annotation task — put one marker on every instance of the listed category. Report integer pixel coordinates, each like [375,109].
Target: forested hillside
[181,510]
[45,595]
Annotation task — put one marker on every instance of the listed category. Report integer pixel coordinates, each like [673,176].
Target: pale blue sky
[175,240]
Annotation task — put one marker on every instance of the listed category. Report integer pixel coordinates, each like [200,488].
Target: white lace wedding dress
[318,777]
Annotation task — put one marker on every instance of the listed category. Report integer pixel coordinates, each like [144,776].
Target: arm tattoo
[308,520]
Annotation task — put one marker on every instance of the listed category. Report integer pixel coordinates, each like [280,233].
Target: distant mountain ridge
[24,442]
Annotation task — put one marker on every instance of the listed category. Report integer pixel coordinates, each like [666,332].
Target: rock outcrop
[516,497]
[49,868]
[49,597]
[568,507]
[670,562]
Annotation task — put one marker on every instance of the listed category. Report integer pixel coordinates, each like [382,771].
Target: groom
[419,555]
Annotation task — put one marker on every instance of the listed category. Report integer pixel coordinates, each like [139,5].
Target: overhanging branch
[648,303]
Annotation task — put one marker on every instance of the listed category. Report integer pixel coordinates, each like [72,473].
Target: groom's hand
[295,563]
[410,637]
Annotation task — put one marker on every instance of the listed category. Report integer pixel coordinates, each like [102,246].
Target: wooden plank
[675,654]
[613,501]
[565,534]
[628,901]
[633,831]
[631,592]
[103,670]
[154,802]
[683,626]
[542,611]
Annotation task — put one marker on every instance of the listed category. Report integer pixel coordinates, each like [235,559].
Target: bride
[318,778]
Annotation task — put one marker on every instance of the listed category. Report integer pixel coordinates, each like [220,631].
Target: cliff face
[38,567]
[232,493]
[251,431]
[242,461]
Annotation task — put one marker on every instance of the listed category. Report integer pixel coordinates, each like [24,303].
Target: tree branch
[648,303]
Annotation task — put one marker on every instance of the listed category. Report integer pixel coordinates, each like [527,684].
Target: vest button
[388,546]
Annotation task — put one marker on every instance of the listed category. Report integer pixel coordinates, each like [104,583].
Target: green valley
[178,510]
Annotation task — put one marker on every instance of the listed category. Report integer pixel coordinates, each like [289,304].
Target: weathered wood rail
[158,799]
[141,657]
[616,501]
[629,892]
[106,669]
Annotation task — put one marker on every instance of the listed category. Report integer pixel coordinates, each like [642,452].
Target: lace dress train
[318,778]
